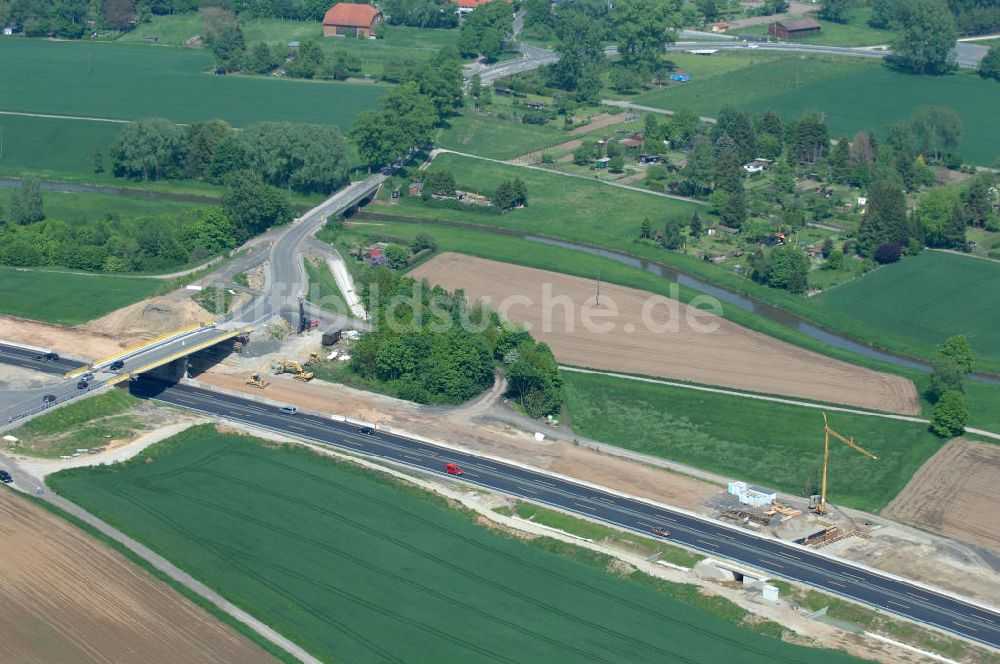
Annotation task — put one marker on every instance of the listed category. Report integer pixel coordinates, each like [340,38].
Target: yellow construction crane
[821,507]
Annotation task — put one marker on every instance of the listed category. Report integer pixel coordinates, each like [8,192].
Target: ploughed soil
[638,332]
[955,493]
[66,597]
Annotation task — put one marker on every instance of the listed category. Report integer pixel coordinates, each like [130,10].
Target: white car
[753,45]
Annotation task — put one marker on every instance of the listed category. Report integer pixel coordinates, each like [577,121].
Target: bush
[890,252]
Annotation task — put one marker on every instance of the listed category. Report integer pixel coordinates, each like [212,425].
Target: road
[789,561]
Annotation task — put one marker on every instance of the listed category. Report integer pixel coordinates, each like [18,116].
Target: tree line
[304,157]
[144,244]
[432,346]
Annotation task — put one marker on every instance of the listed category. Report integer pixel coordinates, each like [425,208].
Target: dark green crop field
[129,81]
[355,567]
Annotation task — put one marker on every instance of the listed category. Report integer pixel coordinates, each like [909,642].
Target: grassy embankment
[793,86]
[83,424]
[323,289]
[233,513]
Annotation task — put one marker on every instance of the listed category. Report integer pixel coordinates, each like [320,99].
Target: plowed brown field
[729,355]
[65,597]
[955,493]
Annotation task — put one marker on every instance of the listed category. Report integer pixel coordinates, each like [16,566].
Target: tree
[989,66]
[202,138]
[835,260]
[838,11]
[305,157]
[925,38]
[696,225]
[942,219]
[958,350]
[252,205]
[840,161]
[25,205]
[977,203]
[419,13]
[728,172]
[224,36]
[227,157]
[646,230]
[937,130]
[580,47]
[586,153]
[673,233]
[883,13]
[737,125]
[769,122]
[373,134]
[683,126]
[309,61]
[118,14]
[699,170]
[617,164]
[150,149]
[441,183]
[732,208]
[510,194]
[950,415]
[885,217]
[643,28]
[261,59]
[810,138]
[769,146]
[946,376]
[709,9]
[890,252]
[625,80]
[97,161]
[397,254]
[484,30]
[784,267]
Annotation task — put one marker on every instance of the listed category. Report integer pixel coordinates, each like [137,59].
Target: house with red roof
[348,19]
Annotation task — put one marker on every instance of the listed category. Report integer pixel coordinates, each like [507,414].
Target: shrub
[889,252]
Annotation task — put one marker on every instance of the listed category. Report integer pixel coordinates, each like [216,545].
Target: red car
[452,469]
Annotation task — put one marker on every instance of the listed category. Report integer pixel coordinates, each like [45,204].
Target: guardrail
[45,406]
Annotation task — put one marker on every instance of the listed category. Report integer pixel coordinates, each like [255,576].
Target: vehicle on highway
[46,357]
[452,469]
[82,384]
[117,364]
[368,431]
[659,532]
[5,477]
[289,410]
[49,398]
[87,375]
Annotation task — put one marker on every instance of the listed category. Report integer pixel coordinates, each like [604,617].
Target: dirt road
[65,597]
[955,493]
[652,335]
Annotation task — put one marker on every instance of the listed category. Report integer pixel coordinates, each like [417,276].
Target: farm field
[52,147]
[79,207]
[69,598]
[68,298]
[958,295]
[954,494]
[356,567]
[86,79]
[638,332]
[777,445]
[495,138]
[793,86]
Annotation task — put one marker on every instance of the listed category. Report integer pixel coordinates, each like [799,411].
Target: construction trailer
[751,495]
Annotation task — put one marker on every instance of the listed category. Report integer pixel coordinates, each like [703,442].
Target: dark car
[49,398]
[117,364]
[5,477]
[289,410]
[82,385]
[368,431]
[46,357]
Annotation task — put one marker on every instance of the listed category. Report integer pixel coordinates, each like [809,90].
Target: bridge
[283,294]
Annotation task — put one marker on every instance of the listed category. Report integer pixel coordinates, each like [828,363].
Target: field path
[634,331]
[26,483]
[52,116]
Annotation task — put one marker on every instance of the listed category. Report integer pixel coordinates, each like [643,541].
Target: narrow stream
[70,188]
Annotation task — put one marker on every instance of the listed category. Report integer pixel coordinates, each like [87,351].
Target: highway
[778,558]
[24,357]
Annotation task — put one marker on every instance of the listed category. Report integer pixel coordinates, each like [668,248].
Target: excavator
[294,368]
[313,359]
[255,380]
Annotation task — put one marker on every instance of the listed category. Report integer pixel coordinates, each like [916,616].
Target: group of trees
[431,346]
[304,157]
[113,244]
[428,93]
[952,364]
[510,194]
[420,13]
[484,30]
[785,266]
[66,18]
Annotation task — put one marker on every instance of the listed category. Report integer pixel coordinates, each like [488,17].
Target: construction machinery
[821,506]
[255,380]
[297,370]
[313,359]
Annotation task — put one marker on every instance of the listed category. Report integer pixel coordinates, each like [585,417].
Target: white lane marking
[292,426]
[531,491]
[963,626]
[905,606]
[587,507]
[856,578]
[712,544]
[774,564]
[915,596]
[837,583]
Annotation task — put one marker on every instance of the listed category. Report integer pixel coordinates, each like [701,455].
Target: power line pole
[598,287]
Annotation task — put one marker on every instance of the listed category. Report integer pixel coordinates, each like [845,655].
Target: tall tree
[937,130]
[579,45]
[885,219]
[840,161]
[25,205]
[306,157]
[925,39]
[950,415]
[838,11]
[673,233]
[958,350]
[484,30]
[202,137]
[737,125]
[810,138]
[118,14]
[936,210]
[149,149]
[989,66]
[252,205]
[728,172]
[698,172]
[769,122]
[644,27]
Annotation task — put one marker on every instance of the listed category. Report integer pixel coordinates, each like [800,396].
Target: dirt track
[67,598]
[730,356]
[955,494]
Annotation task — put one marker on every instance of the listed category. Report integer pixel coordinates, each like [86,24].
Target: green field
[50,146]
[915,304]
[399,42]
[558,205]
[78,207]
[354,567]
[129,81]
[496,138]
[68,298]
[855,95]
[777,445]
[79,424]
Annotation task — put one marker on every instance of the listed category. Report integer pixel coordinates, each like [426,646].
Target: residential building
[347,19]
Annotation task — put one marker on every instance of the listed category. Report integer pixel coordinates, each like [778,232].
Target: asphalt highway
[780,559]
[23,357]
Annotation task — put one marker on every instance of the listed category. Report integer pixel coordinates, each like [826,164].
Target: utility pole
[598,287]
